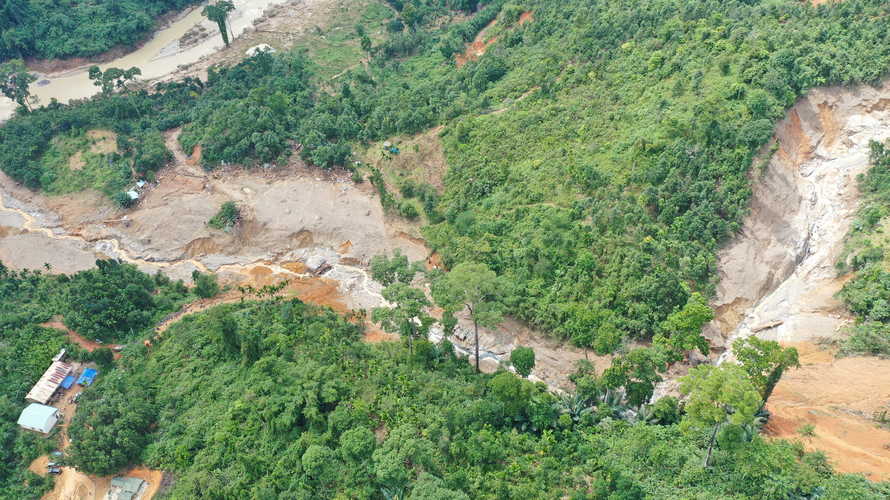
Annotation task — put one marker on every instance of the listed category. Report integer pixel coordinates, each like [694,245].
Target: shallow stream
[157,58]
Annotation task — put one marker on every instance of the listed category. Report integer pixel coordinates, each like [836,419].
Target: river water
[157,58]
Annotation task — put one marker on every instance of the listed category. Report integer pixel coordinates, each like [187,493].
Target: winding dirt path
[477,49]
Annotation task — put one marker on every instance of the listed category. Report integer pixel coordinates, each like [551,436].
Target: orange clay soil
[88,345]
[71,484]
[840,396]
[479,45]
[526,17]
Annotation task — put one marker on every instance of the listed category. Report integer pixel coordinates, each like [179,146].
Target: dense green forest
[50,30]
[282,400]
[602,195]
[598,155]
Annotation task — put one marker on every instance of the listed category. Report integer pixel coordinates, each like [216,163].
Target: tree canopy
[218,13]
[475,287]
[50,30]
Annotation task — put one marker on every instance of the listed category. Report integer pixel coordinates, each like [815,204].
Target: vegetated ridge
[606,229]
[602,196]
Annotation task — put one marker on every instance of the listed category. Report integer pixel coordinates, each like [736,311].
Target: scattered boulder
[317,264]
[697,358]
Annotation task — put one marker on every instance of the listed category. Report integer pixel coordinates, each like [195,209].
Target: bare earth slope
[778,277]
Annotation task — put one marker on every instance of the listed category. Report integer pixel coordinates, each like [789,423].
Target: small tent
[87,378]
[39,418]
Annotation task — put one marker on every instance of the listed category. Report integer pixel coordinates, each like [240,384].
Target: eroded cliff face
[778,276]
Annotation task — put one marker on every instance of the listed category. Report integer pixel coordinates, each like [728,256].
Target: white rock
[315,262]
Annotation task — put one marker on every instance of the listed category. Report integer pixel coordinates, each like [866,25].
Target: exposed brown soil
[526,17]
[777,276]
[75,337]
[285,209]
[320,291]
[374,334]
[841,397]
[74,485]
[195,157]
[105,141]
[295,267]
[39,465]
[76,161]
[477,49]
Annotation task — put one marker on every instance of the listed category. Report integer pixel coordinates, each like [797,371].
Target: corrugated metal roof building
[40,418]
[61,355]
[129,487]
[44,389]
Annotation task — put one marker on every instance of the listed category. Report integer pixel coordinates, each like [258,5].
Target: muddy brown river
[157,58]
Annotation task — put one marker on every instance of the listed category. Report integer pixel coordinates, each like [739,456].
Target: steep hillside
[602,194]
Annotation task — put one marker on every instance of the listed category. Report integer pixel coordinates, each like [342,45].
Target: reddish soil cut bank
[840,397]
[88,345]
[476,49]
[526,17]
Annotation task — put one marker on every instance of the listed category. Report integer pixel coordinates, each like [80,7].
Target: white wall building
[39,418]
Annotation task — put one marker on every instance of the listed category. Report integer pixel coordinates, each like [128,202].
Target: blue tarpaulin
[68,382]
[87,377]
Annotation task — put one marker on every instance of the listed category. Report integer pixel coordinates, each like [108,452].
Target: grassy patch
[85,160]
[333,57]
[420,159]
[376,15]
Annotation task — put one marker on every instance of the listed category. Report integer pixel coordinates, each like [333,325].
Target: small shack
[61,355]
[133,194]
[126,488]
[39,418]
[87,377]
[49,383]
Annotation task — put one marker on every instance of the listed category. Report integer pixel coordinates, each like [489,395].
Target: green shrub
[408,209]
[122,200]
[226,218]
[523,360]
[868,338]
